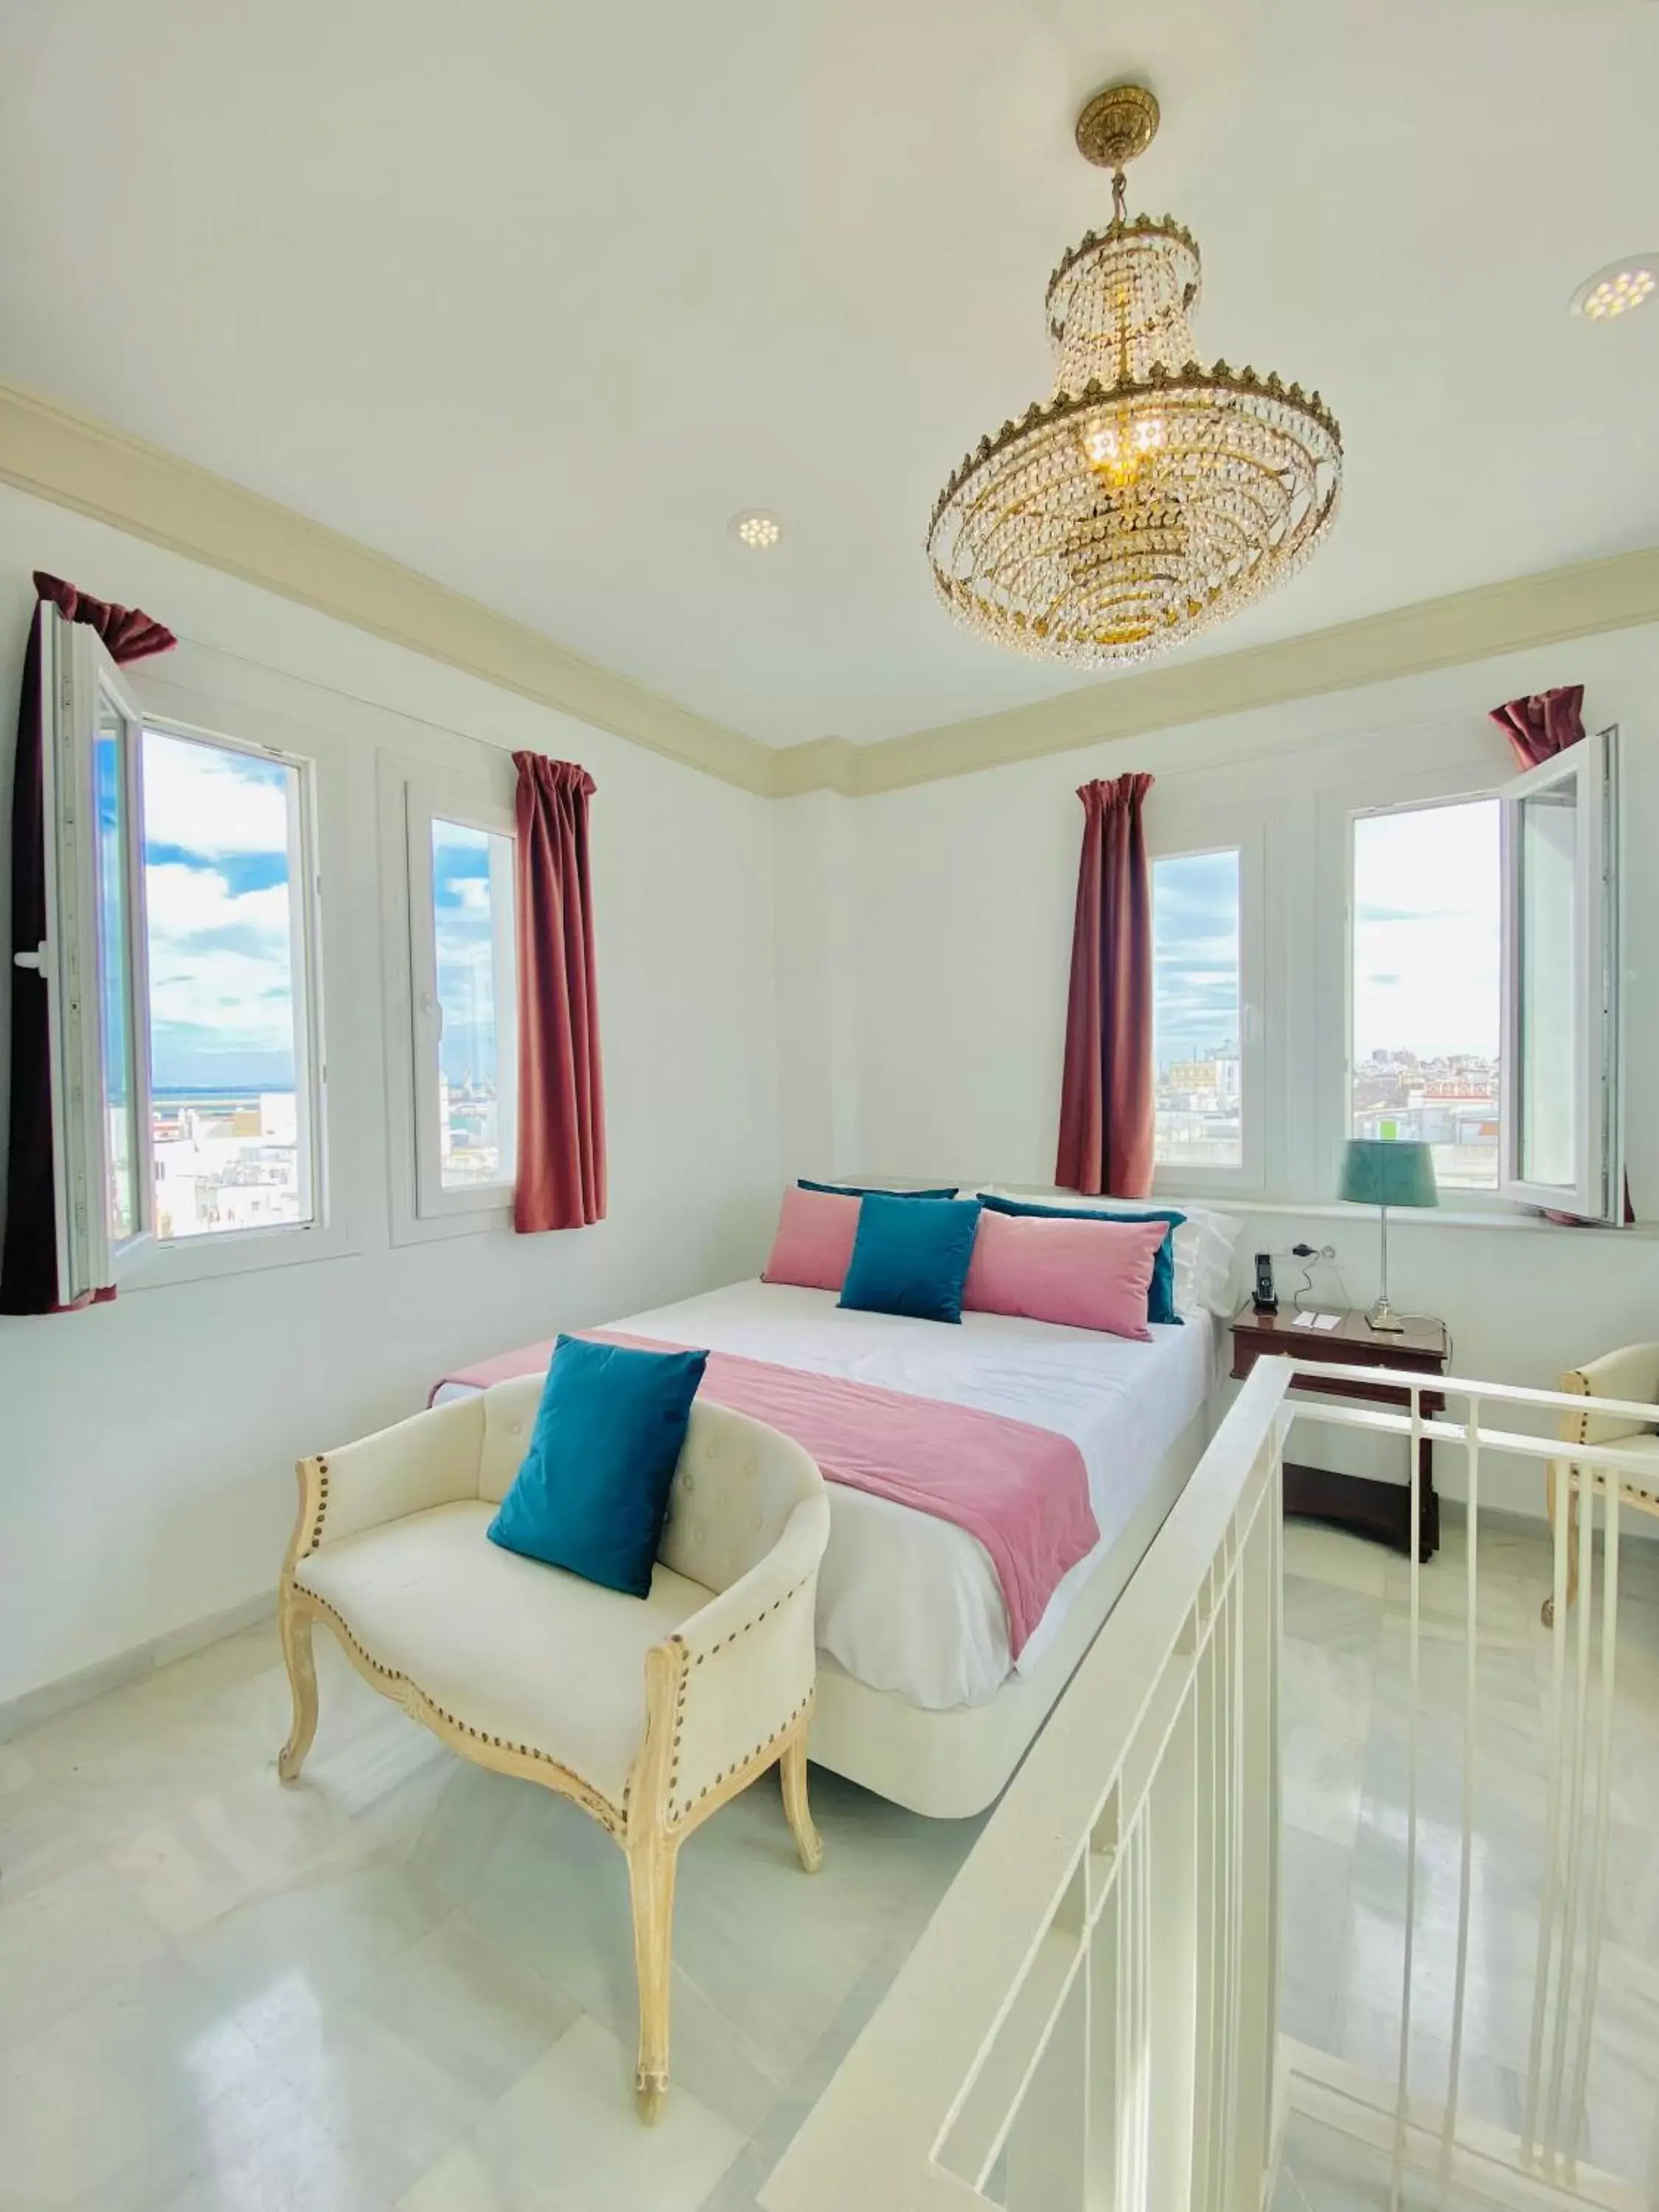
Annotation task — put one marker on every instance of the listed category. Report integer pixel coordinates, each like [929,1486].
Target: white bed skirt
[952,1764]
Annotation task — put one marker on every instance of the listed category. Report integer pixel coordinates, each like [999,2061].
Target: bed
[919,1697]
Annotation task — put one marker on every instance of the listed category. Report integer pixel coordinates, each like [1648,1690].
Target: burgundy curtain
[1106,1108]
[560,1175]
[1546,724]
[28,1270]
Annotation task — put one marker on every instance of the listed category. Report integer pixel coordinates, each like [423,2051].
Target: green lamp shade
[1387,1172]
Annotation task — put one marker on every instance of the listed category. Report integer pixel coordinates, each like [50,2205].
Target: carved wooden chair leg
[294,1626]
[792,1766]
[651,1890]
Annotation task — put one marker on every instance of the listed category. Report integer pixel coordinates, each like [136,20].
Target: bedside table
[1381,1510]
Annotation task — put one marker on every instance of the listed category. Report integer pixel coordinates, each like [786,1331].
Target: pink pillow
[814,1242]
[1083,1275]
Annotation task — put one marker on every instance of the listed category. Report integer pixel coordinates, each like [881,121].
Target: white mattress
[908,1602]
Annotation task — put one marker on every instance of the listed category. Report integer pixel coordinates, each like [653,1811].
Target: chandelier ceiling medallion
[1150,497]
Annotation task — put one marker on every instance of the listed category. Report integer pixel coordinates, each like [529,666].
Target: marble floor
[1346,1703]
[405,1983]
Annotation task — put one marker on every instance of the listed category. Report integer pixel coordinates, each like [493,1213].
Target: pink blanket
[1020,1490]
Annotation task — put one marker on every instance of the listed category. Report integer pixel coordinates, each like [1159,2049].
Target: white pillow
[1214,1276]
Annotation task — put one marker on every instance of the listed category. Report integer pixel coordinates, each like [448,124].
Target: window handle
[37,959]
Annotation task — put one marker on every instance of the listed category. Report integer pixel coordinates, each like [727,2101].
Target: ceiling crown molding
[74,461]
[1621,593]
[67,458]
[821,764]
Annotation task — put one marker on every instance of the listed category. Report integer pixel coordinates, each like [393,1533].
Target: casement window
[1205,1048]
[92,961]
[1483,998]
[181,977]
[1563,1137]
[1425,998]
[464,1001]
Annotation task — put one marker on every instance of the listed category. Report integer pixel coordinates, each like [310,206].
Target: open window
[1483,986]
[1562,1140]
[93,960]
[181,979]
[237,1103]
[1426,1062]
[464,1001]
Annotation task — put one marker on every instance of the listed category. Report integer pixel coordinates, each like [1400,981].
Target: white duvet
[908,1602]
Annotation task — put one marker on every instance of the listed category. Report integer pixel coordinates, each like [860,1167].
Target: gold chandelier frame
[1151,494]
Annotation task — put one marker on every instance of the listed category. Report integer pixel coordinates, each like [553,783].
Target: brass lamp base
[1383,1318]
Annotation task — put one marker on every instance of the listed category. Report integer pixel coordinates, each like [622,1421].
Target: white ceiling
[534,296]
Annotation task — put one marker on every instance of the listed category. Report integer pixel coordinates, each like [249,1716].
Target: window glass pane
[114,976]
[1427,979]
[1548,1012]
[230,1126]
[477,1074]
[1195,1011]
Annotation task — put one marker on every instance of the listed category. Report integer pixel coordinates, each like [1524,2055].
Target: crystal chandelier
[1150,496]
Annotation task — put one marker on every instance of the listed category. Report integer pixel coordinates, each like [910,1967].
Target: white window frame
[318,901]
[1420,796]
[411,796]
[1172,1178]
[77,669]
[310,1068]
[76,672]
[425,804]
[1596,1192]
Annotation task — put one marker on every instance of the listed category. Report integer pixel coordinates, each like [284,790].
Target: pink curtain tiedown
[560,1181]
[1544,724]
[28,1271]
[1106,1100]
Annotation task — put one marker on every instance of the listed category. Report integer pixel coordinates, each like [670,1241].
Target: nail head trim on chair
[651,1819]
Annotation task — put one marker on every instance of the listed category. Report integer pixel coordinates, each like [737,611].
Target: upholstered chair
[650,1712]
[1633,1375]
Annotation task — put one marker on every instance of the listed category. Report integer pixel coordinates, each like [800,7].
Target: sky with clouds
[1426,939]
[1195,954]
[1427,931]
[464,919]
[217,895]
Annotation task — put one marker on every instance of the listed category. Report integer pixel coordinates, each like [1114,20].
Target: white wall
[816,945]
[821,984]
[963,899]
[147,1446]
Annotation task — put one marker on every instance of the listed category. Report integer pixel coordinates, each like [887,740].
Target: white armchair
[1632,1374]
[650,1712]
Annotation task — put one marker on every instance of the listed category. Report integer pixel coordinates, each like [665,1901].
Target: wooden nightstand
[1381,1510]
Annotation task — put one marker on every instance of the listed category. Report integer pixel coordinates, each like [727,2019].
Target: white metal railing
[1089,2019]
[1545,2159]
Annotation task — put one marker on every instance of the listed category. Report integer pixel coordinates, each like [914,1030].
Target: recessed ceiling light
[758,531]
[1617,288]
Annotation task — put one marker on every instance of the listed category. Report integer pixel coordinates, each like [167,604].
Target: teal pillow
[593,1493]
[911,1257]
[1160,1295]
[858,1190]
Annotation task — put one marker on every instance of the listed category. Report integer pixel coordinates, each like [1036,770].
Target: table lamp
[1385,1172]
